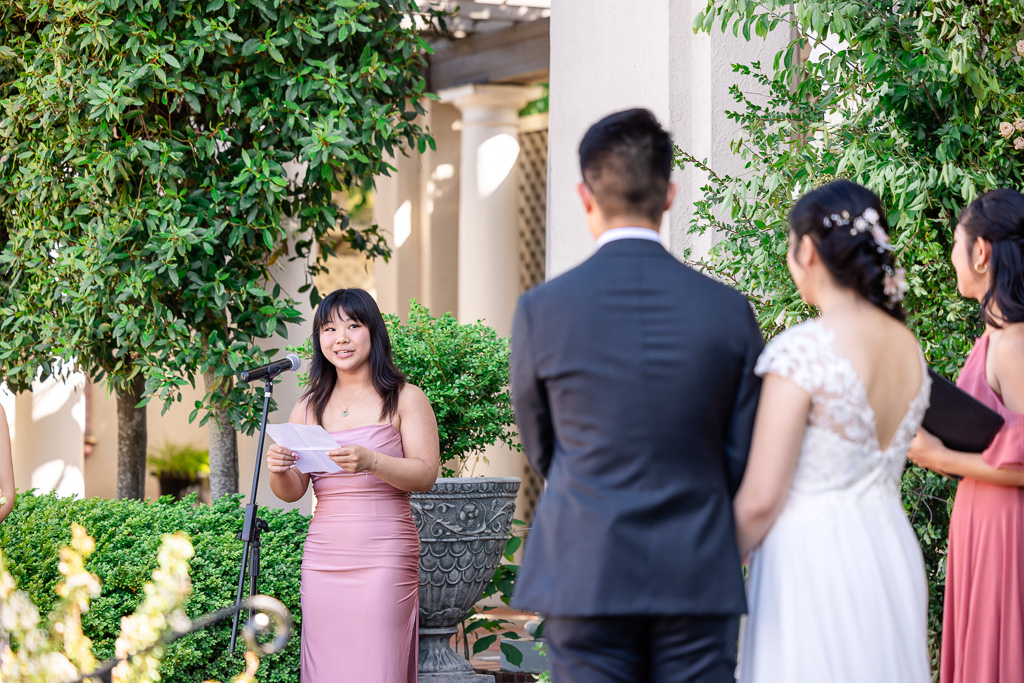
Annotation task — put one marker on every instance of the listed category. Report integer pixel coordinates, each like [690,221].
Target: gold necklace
[344,413]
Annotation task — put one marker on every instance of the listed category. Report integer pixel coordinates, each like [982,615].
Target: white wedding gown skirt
[837,594]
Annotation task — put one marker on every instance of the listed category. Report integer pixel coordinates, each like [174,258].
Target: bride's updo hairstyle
[998,218]
[848,225]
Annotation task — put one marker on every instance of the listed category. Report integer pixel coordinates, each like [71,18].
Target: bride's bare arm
[778,432]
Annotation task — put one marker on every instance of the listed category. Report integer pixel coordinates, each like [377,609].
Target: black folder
[962,422]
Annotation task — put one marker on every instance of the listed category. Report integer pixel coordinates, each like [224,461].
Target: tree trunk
[223,443]
[131,441]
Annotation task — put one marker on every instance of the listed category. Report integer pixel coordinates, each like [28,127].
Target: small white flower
[894,284]
[1019,124]
[881,238]
[1020,47]
[1006,129]
[1018,143]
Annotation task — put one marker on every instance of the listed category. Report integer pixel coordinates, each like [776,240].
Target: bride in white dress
[837,587]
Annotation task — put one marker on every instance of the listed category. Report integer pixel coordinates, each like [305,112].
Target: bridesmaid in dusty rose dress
[360,579]
[983,619]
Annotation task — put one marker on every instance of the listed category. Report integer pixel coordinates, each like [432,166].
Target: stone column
[417,209]
[488,271]
[396,210]
[439,210]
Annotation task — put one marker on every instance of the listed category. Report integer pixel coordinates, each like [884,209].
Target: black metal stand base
[252,525]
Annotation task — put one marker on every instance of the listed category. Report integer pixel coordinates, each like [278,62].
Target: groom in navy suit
[633,384]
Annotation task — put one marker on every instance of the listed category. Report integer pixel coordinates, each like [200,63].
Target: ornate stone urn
[463,526]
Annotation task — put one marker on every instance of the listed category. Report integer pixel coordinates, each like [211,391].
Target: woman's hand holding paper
[280,459]
[353,459]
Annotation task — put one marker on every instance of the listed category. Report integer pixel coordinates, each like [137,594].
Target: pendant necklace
[344,413]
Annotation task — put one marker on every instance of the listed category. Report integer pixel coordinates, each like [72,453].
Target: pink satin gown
[983,619]
[360,574]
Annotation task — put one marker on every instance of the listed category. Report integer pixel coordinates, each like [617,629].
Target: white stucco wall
[46,436]
[607,55]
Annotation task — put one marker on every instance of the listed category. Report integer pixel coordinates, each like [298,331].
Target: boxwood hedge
[128,534]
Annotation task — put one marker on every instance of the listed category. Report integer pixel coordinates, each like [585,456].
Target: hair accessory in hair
[894,284]
[866,222]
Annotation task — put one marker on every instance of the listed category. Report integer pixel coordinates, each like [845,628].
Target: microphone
[271,370]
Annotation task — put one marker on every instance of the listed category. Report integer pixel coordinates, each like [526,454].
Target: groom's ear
[586,196]
[670,196]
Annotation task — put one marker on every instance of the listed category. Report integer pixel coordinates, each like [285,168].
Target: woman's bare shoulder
[1007,352]
[411,396]
[300,412]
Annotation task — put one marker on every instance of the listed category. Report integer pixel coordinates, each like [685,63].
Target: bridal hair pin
[894,284]
[866,222]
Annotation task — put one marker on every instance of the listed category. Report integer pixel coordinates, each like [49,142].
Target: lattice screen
[533,207]
[533,210]
[347,269]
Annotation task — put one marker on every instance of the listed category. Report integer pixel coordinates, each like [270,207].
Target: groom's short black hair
[626,161]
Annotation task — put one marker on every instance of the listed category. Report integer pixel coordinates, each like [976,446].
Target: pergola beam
[520,54]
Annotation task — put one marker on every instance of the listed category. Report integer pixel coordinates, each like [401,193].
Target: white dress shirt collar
[627,234]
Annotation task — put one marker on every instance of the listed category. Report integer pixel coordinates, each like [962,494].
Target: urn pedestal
[463,527]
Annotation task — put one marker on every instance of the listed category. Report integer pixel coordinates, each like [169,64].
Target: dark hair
[626,161]
[387,379]
[998,218]
[854,259]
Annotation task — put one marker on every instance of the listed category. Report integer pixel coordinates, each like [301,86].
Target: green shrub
[127,535]
[463,370]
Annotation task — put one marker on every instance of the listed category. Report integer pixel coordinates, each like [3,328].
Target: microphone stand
[252,526]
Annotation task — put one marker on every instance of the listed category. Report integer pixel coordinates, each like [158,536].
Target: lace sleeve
[792,355]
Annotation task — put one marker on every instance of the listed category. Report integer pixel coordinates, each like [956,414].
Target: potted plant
[181,469]
[464,522]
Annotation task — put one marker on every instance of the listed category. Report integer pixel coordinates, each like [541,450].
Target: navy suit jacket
[633,382]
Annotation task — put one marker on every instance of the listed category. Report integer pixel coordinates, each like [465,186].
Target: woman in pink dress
[983,620]
[7,493]
[360,565]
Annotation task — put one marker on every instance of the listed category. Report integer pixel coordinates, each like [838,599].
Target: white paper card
[309,442]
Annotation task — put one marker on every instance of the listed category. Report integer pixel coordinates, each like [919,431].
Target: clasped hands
[350,459]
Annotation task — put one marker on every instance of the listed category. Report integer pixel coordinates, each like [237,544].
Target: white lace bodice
[840,450]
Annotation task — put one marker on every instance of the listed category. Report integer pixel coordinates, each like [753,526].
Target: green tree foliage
[906,98]
[128,535]
[150,152]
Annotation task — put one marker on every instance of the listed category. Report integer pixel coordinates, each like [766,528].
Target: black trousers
[642,649]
